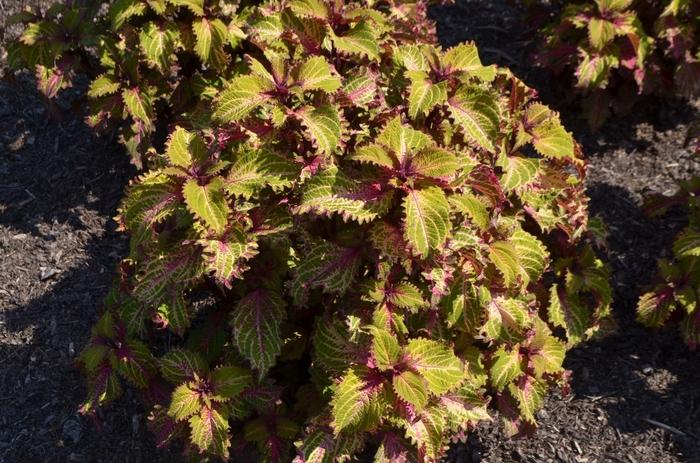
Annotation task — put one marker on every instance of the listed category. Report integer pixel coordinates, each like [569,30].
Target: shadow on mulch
[59,189]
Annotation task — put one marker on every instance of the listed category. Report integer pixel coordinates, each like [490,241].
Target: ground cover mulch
[635,394]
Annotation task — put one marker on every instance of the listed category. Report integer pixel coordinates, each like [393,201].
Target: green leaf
[181,365]
[424,96]
[465,57]
[325,266]
[323,126]
[348,401]
[553,141]
[406,296]
[254,169]
[428,432]
[653,310]
[227,255]
[208,203]
[385,349]
[317,74]
[687,244]
[402,139]
[437,363]
[158,44]
[122,10]
[477,113]
[139,105]
[210,432]
[359,40]
[184,402]
[210,38]
[532,255]
[505,367]
[546,352]
[412,388]
[175,315]
[195,6]
[435,162]
[567,312]
[518,171]
[243,94]
[507,319]
[373,154]
[426,219]
[529,395]
[331,192]
[103,85]
[184,148]
[505,257]
[229,381]
[600,32]
[472,207]
[256,324]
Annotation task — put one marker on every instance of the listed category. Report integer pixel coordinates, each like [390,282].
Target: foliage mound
[614,50]
[352,241]
[673,298]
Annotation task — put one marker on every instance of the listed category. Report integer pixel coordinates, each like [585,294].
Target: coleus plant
[614,50]
[673,297]
[151,62]
[370,241]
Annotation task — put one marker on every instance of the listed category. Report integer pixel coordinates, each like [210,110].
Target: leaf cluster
[351,240]
[614,50]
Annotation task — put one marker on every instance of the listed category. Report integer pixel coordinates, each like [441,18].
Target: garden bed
[635,396]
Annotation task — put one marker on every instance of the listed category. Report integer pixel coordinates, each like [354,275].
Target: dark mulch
[636,394]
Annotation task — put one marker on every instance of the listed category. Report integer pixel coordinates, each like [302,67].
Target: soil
[635,394]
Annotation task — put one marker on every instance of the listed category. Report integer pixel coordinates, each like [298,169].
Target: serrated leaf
[518,171]
[435,162]
[195,6]
[478,114]
[472,207]
[359,40]
[256,324]
[158,44]
[437,363]
[229,381]
[385,349]
[600,32]
[687,244]
[184,402]
[323,126]
[210,38]
[184,148]
[332,348]
[402,139]
[348,401]
[226,256]
[507,319]
[139,105]
[122,10]
[654,309]
[359,90]
[207,202]
[254,169]
[426,219]
[103,85]
[406,296]
[412,388]
[553,141]
[532,255]
[424,95]
[331,192]
[567,312]
[374,154]
[546,352]
[181,365]
[504,256]
[210,432]
[243,94]
[325,266]
[463,57]
[505,367]
[529,395]
[316,74]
